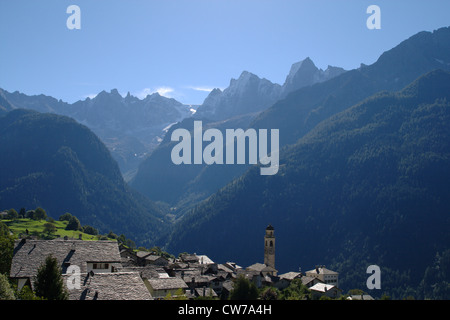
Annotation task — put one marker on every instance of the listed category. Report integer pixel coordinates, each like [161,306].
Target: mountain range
[362,178]
[250,94]
[366,186]
[130,127]
[353,195]
[236,107]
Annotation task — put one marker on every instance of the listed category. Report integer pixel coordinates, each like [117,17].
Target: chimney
[192,285]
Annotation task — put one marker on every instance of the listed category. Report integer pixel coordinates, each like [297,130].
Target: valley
[361,173]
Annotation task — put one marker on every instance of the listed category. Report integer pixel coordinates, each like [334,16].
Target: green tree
[27,294]
[6,253]
[65,217]
[130,243]
[12,214]
[112,235]
[243,289]
[296,291]
[49,283]
[49,228]
[22,213]
[39,214]
[74,224]
[90,230]
[4,230]
[269,293]
[178,295]
[6,291]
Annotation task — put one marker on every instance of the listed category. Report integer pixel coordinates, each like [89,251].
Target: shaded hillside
[367,186]
[295,115]
[130,127]
[303,109]
[53,162]
[184,184]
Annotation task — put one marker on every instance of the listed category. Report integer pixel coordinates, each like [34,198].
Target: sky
[185,48]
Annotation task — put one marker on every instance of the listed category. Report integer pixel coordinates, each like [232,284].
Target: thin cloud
[163,91]
[206,89]
[90,96]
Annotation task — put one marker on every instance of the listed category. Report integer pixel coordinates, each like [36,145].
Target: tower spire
[269,247]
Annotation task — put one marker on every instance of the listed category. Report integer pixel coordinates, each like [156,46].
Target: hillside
[130,127]
[366,186]
[303,109]
[53,162]
[295,115]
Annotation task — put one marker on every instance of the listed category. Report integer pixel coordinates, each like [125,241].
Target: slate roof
[148,272]
[29,255]
[204,259]
[322,270]
[110,286]
[167,283]
[260,267]
[306,280]
[205,292]
[322,287]
[361,297]
[290,275]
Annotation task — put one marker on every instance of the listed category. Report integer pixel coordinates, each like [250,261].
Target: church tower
[269,247]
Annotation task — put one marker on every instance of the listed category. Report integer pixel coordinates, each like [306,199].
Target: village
[107,270]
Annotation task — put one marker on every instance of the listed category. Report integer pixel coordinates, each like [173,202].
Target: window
[100,266]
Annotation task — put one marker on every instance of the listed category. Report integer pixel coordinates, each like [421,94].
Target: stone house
[285,279]
[160,288]
[322,289]
[95,256]
[325,275]
[109,286]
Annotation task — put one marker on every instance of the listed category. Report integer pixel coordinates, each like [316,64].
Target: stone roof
[290,275]
[29,255]
[306,280]
[360,297]
[260,267]
[147,272]
[204,259]
[322,270]
[110,286]
[143,254]
[167,283]
[224,268]
[322,287]
[205,292]
[189,257]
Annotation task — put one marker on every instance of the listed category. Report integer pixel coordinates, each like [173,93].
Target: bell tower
[269,247]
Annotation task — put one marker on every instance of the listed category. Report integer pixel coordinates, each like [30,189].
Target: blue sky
[184,48]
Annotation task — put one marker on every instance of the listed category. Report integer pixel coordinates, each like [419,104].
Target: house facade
[87,256]
[160,288]
[325,275]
